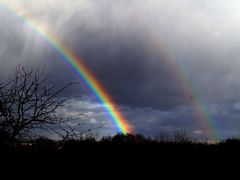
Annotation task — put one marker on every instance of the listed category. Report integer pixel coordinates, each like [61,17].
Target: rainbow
[76,64]
[204,119]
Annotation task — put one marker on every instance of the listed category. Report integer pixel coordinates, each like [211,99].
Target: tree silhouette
[28,101]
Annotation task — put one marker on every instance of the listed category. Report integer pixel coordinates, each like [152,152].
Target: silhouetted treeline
[134,154]
[119,141]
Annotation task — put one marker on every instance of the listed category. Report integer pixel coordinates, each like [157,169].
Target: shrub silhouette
[180,136]
[127,139]
[231,142]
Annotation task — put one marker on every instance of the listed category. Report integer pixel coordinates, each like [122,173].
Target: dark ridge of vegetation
[126,153]
[119,140]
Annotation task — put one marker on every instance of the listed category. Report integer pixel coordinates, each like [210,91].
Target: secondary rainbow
[76,64]
[203,117]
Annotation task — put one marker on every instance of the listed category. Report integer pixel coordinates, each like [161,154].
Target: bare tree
[180,136]
[28,101]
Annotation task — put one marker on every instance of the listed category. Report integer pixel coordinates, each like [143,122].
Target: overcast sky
[135,48]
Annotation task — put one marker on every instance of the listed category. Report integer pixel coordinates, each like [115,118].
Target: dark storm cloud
[114,48]
[127,44]
[131,73]
[117,42]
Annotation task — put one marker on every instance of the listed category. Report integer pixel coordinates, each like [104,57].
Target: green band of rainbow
[76,64]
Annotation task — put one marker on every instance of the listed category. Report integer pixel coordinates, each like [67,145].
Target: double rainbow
[76,64]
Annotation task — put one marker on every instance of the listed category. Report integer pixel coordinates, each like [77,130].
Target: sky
[160,60]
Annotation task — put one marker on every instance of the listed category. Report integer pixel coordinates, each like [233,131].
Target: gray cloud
[132,47]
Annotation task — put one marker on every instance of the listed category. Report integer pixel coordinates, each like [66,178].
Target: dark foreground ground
[114,159]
